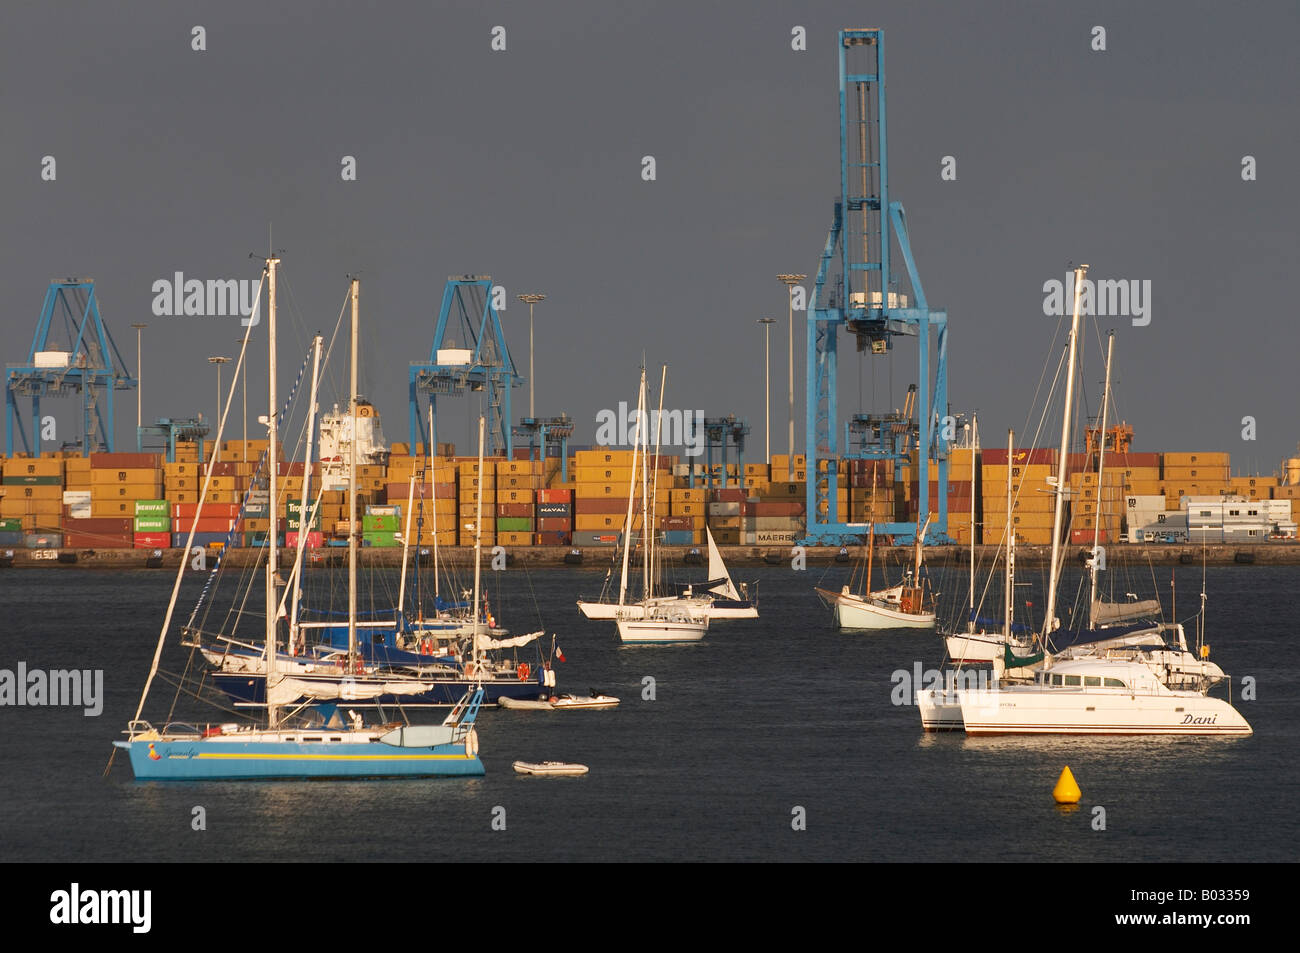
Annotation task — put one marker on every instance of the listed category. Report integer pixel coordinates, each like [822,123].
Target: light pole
[138,385]
[218,361]
[767,384]
[243,386]
[531,299]
[790,281]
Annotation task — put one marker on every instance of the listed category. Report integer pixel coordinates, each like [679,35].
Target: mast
[431,468]
[1101,483]
[478,542]
[1008,596]
[871,535]
[654,485]
[273,464]
[974,451]
[353,658]
[631,490]
[642,433]
[303,524]
[1049,621]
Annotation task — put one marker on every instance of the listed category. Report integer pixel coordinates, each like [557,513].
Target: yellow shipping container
[1197,474]
[103,477]
[18,492]
[1177,460]
[33,466]
[603,458]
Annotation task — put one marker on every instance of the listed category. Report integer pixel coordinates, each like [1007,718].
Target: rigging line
[293,391]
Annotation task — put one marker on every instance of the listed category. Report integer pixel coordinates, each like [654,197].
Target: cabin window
[1056,680]
[1114,683]
[1234,512]
[1092,681]
[1071,680]
[317,738]
[336,738]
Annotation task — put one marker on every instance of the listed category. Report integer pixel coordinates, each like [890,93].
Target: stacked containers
[1032,504]
[153,524]
[33,495]
[554,517]
[602,479]
[517,482]
[470,483]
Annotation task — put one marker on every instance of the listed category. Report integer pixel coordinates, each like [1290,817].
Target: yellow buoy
[1066,790]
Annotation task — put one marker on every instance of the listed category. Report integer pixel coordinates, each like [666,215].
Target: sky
[526,164]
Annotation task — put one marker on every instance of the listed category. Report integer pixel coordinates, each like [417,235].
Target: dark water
[764,717]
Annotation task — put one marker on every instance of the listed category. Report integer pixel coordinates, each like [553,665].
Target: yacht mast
[650,520]
[304,523]
[974,451]
[478,542]
[631,490]
[273,466]
[1049,621]
[1009,595]
[1101,483]
[353,526]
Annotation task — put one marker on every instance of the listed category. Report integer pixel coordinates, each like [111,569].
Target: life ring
[522,671]
[426,646]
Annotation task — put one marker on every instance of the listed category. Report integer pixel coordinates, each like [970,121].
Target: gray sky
[525,165]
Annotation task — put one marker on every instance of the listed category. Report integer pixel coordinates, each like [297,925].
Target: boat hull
[853,613]
[660,632]
[205,759]
[940,710]
[714,609]
[1035,710]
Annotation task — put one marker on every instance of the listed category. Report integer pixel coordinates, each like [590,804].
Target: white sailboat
[903,606]
[654,621]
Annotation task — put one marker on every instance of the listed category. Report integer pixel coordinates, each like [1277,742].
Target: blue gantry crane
[72,355]
[857,291]
[469,354]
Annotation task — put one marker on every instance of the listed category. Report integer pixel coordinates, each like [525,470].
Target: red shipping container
[774,508]
[553,539]
[1084,537]
[729,495]
[554,524]
[224,468]
[102,526]
[676,523]
[554,496]
[186,511]
[582,507]
[515,510]
[315,540]
[208,524]
[153,540]
[998,457]
[125,461]
[96,541]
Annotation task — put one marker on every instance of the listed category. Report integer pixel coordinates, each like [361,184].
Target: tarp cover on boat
[1104,613]
[484,642]
[288,690]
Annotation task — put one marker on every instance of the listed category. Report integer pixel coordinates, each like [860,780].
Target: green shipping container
[380,540]
[11,526]
[374,524]
[17,480]
[153,524]
[152,508]
[514,524]
[291,516]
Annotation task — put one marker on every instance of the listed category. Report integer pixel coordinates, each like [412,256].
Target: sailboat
[903,606]
[725,601]
[654,620]
[305,741]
